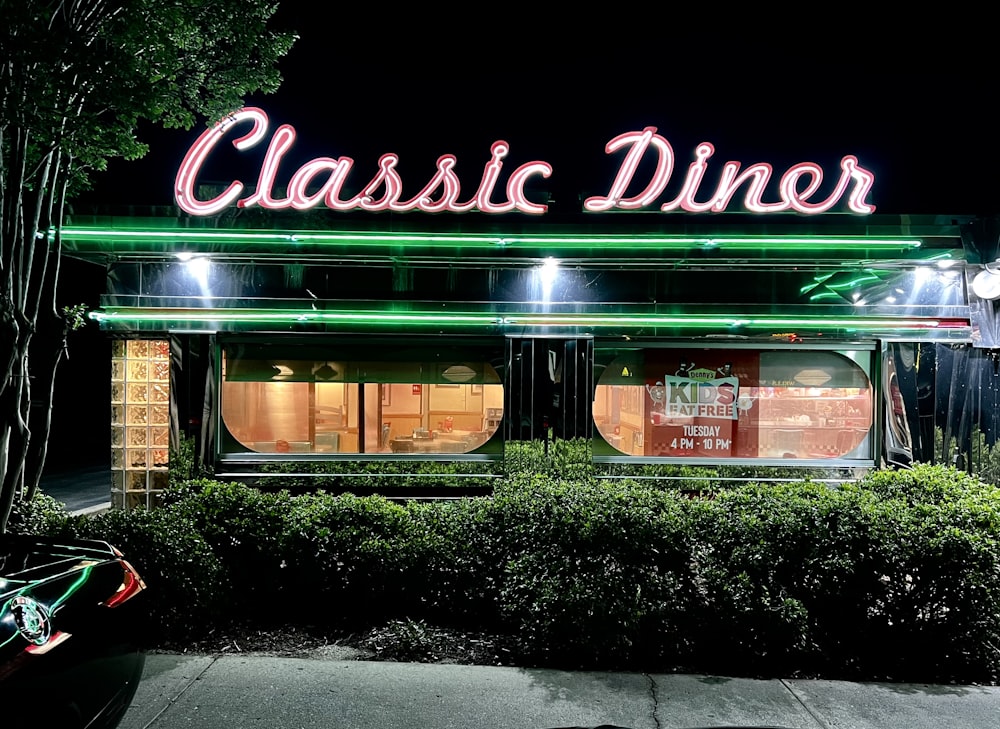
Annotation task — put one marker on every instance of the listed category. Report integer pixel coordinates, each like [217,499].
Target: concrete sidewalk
[247,691]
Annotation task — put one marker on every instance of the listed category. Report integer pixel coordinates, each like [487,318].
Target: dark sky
[918,115]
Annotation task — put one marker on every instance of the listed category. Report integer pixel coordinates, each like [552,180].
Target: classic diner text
[321,181]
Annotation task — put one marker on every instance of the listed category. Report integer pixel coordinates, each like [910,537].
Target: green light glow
[105,238]
[862,278]
[436,319]
[826,295]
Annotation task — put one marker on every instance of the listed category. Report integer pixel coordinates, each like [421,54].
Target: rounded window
[719,403]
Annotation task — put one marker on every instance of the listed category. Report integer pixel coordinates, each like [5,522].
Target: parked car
[71,648]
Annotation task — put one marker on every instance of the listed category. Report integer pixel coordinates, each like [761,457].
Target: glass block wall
[140,421]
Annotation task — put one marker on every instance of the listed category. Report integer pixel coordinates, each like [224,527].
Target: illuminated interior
[717,403]
[304,406]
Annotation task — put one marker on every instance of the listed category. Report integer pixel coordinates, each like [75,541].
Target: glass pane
[137,392]
[161,437]
[161,371]
[717,403]
[283,405]
[137,414]
[138,370]
[137,437]
[160,414]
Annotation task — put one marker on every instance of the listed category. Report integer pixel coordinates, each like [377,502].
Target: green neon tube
[377,318]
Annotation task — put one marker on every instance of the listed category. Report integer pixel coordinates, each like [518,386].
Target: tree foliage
[76,80]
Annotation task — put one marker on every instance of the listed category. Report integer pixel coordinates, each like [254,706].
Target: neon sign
[757,176]
[321,181]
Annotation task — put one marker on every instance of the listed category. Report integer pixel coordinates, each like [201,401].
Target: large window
[722,403]
[273,404]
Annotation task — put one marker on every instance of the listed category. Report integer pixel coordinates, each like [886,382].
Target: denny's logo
[321,182]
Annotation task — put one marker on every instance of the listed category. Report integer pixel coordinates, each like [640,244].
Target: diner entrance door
[550,383]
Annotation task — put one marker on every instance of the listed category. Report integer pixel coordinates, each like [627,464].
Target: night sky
[361,83]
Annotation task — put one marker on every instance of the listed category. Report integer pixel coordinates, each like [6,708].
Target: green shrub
[764,557]
[894,578]
[597,574]
[376,475]
[926,483]
[244,528]
[187,587]
[571,459]
[847,583]
[41,515]
[461,562]
[352,559]
[185,464]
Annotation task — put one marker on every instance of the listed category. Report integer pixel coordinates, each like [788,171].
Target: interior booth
[755,323]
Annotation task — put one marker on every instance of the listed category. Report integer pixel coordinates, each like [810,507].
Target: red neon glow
[321,181]
[383,192]
[795,188]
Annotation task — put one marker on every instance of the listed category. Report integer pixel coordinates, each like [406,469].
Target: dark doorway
[549,385]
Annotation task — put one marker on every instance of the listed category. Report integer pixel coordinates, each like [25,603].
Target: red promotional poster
[702,406]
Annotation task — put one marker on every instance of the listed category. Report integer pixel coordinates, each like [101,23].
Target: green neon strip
[265,316]
[826,295]
[271,240]
[852,283]
[519,320]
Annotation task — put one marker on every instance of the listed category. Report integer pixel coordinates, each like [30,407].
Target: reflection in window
[288,408]
[717,403]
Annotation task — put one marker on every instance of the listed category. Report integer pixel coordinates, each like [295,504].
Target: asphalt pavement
[245,691]
[83,490]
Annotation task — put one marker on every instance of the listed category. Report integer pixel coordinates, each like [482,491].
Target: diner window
[309,406]
[737,403]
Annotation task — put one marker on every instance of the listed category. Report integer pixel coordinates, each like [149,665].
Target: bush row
[896,577]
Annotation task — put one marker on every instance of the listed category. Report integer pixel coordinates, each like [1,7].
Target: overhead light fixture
[458,373]
[812,377]
[324,372]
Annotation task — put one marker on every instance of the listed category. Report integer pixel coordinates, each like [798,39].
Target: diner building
[687,311]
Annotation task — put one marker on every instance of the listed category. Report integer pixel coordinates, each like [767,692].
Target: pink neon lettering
[640,142]
[445,179]
[187,174]
[685,200]
[759,175]
[299,184]
[515,186]
[792,194]
[795,188]
[387,179]
[280,143]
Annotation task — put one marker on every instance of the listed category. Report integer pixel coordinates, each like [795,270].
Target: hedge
[896,577]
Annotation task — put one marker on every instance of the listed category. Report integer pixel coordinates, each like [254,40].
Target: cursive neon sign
[793,196]
[441,193]
[321,181]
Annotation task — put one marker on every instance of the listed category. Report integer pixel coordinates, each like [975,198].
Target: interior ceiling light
[324,372]
[458,373]
[986,284]
[812,377]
